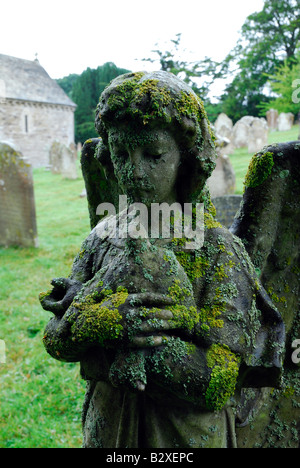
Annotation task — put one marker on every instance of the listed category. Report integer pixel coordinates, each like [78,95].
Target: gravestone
[285,121]
[258,135]
[272,119]
[17,204]
[222,180]
[240,134]
[223,126]
[63,160]
[227,207]
[251,132]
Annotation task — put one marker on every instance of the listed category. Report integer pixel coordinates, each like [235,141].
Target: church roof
[27,80]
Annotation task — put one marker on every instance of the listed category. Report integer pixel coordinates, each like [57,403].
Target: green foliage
[267,38]
[85,90]
[285,83]
[67,82]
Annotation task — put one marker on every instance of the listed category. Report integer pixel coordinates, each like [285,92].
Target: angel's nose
[136,158]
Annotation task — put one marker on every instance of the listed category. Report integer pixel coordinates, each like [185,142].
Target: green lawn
[40,398]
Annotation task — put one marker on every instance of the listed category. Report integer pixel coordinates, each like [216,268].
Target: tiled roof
[28,81]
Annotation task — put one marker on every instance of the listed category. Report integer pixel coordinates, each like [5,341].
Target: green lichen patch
[225,368]
[260,169]
[128,368]
[195,266]
[184,316]
[148,101]
[96,321]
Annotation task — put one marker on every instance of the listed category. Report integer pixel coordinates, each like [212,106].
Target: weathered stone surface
[227,206]
[285,121]
[187,327]
[63,160]
[17,204]
[258,135]
[269,224]
[222,180]
[272,119]
[223,126]
[251,132]
[240,134]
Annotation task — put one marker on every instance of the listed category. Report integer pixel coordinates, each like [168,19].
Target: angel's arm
[203,376]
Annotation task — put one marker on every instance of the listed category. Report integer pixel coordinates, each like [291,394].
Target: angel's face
[146,164]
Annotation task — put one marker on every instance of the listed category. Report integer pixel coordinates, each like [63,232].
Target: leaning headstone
[227,207]
[272,119]
[17,204]
[63,160]
[285,121]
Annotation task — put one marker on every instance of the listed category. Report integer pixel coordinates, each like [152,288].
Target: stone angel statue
[179,345]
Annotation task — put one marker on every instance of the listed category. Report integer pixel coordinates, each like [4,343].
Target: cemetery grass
[41,398]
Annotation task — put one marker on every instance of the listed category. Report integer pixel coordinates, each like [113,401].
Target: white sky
[71,35]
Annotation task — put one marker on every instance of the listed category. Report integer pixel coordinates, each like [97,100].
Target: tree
[85,90]
[199,75]
[67,82]
[285,83]
[267,39]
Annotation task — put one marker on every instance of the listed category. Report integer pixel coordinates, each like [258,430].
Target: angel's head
[156,137]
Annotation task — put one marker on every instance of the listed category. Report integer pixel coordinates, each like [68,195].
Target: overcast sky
[71,35]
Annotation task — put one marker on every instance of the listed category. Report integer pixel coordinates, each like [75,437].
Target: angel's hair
[141,101]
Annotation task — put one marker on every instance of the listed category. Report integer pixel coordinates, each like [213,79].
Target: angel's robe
[235,314]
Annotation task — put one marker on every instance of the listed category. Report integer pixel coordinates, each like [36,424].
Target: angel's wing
[268,223]
[101,186]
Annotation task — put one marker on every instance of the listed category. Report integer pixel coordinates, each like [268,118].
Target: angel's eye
[156,155]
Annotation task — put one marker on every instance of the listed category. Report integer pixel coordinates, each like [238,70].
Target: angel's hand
[60,298]
[146,317]
[154,330]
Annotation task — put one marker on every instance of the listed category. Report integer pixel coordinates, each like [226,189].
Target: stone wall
[32,128]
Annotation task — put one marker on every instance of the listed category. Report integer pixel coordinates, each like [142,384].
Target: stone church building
[34,110]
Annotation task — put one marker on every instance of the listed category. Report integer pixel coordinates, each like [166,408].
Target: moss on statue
[98,322]
[225,369]
[260,169]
